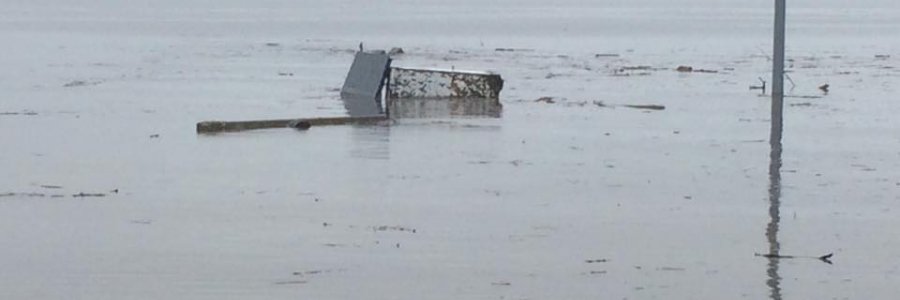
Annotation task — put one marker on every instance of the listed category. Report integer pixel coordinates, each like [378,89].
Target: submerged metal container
[436,93]
[438,83]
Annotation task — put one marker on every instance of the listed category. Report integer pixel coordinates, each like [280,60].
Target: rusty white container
[442,84]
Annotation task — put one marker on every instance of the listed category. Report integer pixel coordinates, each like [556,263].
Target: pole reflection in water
[774,280]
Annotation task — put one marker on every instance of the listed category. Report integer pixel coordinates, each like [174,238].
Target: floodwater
[107,192]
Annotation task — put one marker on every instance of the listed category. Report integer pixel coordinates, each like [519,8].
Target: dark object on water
[649,106]
[548,100]
[824,87]
[689,69]
[223,126]
[759,87]
[824,258]
[84,195]
[635,106]
[300,124]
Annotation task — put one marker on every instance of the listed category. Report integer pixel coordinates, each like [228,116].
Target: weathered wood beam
[231,126]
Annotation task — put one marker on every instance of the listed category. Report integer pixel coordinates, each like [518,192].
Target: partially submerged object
[224,126]
[362,89]
[412,93]
[440,83]
[437,93]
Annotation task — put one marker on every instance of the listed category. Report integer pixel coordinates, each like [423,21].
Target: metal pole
[778,52]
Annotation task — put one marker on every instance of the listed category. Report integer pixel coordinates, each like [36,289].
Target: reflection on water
[774,280]
[444,107]
[371,142]
[361,106]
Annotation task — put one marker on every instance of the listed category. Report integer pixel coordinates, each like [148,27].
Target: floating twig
[84,195]
[824,258]
[648,106]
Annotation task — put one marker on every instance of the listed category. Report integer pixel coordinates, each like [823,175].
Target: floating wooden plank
[231,126]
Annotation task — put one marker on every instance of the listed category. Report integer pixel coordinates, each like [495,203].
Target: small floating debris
[291,282]
[824,258]
[316,272]
[513,50]
[16,113]
[646,107]
[548,100]
[87,195]
[636,68]
[689,69]
[77,83]
[300,125]
[762,86]
[635,106]
[31,195]
[393,228]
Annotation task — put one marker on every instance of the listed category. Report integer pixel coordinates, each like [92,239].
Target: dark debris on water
[393,228]
[57,195]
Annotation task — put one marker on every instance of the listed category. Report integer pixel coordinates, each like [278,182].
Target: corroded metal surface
[434,83]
